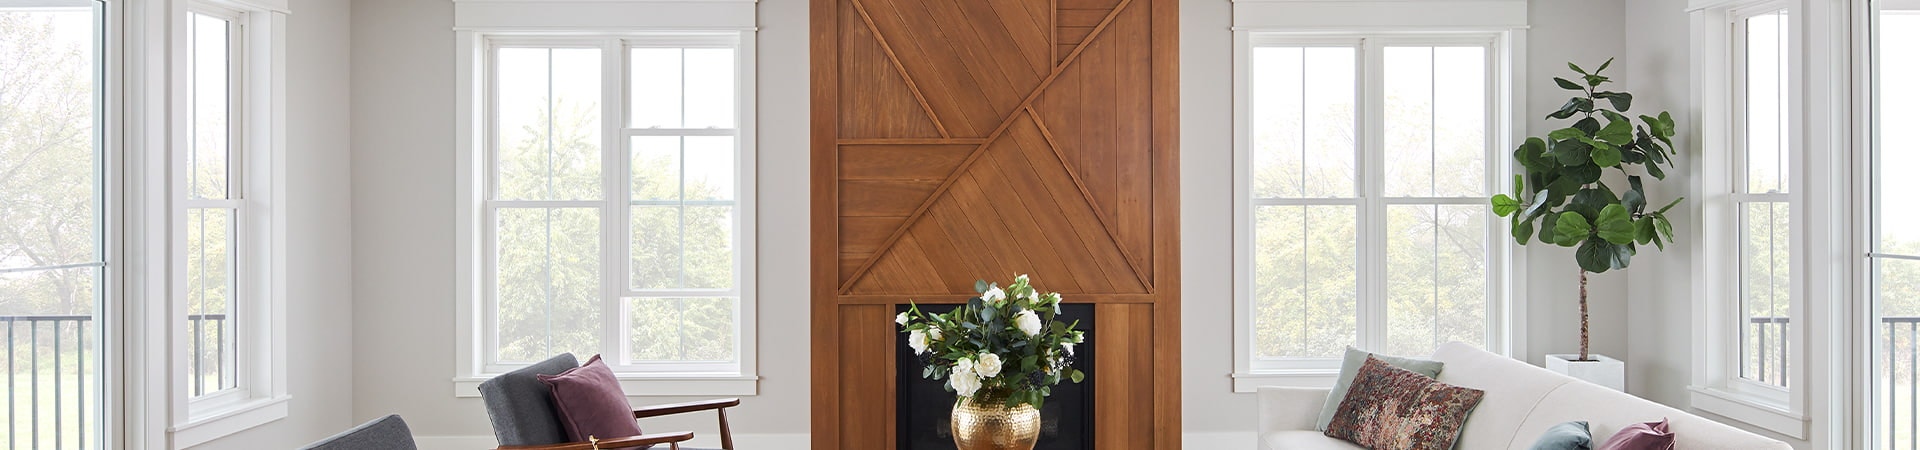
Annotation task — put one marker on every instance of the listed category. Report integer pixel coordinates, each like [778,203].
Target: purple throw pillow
[1641,436]
[591,403]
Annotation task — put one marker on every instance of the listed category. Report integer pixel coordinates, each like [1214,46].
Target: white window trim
[1506,266]
[1716,385]
[478,24]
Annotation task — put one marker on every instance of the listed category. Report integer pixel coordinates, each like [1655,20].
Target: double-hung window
[1365,162]
[617,208]
[227,217]
[1749,286]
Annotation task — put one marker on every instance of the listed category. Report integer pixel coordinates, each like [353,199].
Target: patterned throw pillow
[1393,408]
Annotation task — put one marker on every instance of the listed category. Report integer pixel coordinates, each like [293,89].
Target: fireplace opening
[924,407]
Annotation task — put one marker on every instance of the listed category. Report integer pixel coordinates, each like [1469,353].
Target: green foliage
[959,345]
[1564,187]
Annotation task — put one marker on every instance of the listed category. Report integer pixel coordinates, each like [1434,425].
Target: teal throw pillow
[1566,436]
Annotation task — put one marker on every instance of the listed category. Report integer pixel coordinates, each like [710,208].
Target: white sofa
[1521,402]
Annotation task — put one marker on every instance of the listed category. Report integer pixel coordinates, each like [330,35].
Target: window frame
[256,165]
[1505,50]
[475,335]
[1718,384]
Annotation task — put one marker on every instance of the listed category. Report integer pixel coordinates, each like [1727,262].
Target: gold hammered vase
[985,422]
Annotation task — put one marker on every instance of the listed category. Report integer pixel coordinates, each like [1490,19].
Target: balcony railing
[1897,374]
[50,377]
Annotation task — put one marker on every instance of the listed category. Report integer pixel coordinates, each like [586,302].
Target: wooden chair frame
[673,440]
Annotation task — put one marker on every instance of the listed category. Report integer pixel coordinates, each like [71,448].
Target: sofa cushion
[1303,440]
[1390,407]
[1512,389]
[1641,436]
[1566,436]
[1608,411]
[1351,365]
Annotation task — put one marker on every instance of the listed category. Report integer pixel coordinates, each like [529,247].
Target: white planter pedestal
[1604,371]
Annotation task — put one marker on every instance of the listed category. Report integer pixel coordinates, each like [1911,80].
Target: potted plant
[1001,354]
[1567,195]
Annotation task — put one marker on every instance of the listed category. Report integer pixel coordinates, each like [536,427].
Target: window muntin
[1762,151]
[1369,175]
[215,206]
[625,244]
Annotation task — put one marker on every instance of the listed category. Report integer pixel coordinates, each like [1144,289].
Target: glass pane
[1766,101]
[707,162]
[682,329]
[1765,291]
[1305,288]
[548,135]
[1436,277]
[212,82]
[211,299]
[547,284]
[1898,197]
[1436,129]
[688,247]
[682,88]
[1303,122]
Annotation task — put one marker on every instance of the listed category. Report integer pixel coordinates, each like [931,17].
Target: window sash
[233,336]
[615,203]
[1370,202]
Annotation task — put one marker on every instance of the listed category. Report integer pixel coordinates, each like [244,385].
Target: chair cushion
[1351,365]
[591,403]
[1390,407]
[385,433]
[521,407]
[1303,440]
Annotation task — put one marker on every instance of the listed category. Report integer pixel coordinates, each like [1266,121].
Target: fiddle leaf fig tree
[1563,197]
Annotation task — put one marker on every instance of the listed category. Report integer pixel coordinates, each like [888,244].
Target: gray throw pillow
[1351,365]
[1566,436]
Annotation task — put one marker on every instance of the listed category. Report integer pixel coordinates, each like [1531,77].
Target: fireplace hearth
[924,407]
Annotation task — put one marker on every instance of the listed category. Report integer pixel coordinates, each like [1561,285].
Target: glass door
[54,216]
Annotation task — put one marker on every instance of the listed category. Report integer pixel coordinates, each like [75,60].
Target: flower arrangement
[1004,343]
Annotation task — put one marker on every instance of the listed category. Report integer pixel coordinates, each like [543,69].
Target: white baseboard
[795,441]
[1223,440]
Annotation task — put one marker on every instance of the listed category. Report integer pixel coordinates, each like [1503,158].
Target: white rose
[994,295]
[900,319]
[989,365]
[1022,278]
[1054,298]
[1028,322]
[917,340]
[963,366]
[934,333]
[1068,346]
[964,383]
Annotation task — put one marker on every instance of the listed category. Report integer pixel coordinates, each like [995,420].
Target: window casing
[1365,162]
[635,202]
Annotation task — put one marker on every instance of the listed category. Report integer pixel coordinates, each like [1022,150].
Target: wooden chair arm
[679,408]
[615,443]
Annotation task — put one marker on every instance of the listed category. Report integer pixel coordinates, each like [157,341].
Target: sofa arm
[1290,408]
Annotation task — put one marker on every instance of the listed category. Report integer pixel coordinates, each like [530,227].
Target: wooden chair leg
[726,435]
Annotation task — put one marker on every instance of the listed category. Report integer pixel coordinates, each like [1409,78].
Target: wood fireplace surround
[955,140]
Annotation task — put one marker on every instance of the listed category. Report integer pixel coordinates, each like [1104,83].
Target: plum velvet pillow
[1641,436]
[591,403]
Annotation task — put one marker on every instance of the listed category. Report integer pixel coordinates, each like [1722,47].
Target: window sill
[651,386]
[1247,383]
[210,425]
[1772,416]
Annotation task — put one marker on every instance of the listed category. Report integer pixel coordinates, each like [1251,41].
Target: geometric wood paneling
[962,139]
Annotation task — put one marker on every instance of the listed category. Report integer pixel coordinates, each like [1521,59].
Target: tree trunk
[1583,316]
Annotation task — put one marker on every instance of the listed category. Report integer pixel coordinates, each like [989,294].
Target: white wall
[1586,32]
[403,217]
[319,294]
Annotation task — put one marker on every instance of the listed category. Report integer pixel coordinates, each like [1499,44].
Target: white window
[1365,165]
[617,208]
[1749,287]
[1893,244]
[227,220]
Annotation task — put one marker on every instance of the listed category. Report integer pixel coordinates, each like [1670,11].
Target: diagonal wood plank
[895,60]
[921,211]
[1086,195]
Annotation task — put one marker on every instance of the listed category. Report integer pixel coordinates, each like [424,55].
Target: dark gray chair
[385,433]
[521,409]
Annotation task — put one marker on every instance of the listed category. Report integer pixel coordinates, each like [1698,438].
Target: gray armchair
[521,409]
[385,433]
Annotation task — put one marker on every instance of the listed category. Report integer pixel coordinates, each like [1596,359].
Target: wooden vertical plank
[1133,205]
[823,135]
[866,345]
[1166,220]
[1124,391]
